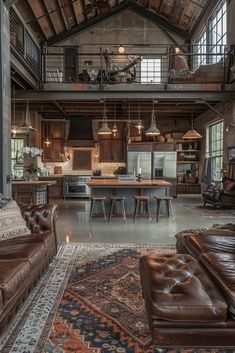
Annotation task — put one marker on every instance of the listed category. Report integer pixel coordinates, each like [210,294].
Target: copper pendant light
[192,134]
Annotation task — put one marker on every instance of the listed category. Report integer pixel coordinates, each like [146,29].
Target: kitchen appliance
[76,186]
[164,167]
[139,163]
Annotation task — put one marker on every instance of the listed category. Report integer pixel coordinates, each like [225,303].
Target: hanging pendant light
[153,130]
[139,124]
[14,127]
[27,126]
[104,129]
[114,128]
[192,134]
[47,141]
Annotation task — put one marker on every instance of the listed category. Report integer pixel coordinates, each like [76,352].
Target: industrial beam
[128,4]
[143,94]
[58,106]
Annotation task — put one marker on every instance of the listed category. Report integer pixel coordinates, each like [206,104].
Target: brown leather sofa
[190,296]
[220,198]
[25,258]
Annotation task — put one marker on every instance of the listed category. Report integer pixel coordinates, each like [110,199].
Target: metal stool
[168,202]
[138,201]
[114,200]
[100,199]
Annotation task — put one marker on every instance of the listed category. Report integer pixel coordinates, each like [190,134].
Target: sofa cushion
[13,274]
[12,223]
[229,185]
[34,252]
[4,200]
[176,287]
[222,268]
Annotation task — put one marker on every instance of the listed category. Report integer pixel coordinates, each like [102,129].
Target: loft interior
[121,113]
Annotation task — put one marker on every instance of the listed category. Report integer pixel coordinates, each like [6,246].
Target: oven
[76,186]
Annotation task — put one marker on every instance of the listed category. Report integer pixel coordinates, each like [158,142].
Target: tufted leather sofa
[25,258]
[190,296]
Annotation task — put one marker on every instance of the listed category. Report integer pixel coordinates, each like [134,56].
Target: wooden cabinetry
[113,148]
[188,156]
[54,131]
[56,190]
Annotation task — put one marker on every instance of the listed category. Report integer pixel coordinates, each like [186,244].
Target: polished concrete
[73,224]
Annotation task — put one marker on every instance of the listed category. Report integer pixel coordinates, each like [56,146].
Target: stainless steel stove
[76,186]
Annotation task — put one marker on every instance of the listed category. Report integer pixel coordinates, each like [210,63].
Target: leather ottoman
[180,299]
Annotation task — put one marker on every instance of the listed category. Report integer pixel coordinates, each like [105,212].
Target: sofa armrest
[41,218]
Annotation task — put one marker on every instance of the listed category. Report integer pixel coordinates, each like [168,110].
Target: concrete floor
[73,224]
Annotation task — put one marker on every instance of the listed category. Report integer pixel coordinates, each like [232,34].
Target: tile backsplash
[67,167]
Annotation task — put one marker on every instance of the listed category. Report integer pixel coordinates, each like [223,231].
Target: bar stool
[168,202]
[114,201]
[138,201]
[99,199]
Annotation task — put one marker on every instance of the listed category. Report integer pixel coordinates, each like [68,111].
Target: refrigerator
[164,166]
[140,161]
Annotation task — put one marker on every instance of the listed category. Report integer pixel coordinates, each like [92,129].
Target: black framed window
[215,147]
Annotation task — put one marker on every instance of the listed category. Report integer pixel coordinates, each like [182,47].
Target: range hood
[80,132]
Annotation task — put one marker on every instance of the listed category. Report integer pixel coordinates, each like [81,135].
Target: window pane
[214,148]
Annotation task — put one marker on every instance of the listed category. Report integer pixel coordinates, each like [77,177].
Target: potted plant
[193,179]
[33,171]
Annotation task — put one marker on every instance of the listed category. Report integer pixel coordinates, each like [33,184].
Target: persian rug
[89,301]
[210,211]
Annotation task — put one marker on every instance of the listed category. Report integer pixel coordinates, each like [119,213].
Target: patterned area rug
[210,211]
[89,302]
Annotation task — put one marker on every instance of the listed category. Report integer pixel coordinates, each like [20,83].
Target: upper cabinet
[54,132]
[112,148]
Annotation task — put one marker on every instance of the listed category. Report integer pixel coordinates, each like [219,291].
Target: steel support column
[5,101]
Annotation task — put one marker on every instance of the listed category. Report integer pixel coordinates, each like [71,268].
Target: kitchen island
[128,189]
[31,192]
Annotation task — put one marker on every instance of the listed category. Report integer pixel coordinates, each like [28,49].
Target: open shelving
[188,156]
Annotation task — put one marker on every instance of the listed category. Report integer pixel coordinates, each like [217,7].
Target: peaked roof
[55,20]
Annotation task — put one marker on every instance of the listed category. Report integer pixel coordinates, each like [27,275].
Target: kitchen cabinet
[56,190]
[113,148]
[54,131]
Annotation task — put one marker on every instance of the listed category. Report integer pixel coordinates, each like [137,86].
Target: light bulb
[121,49]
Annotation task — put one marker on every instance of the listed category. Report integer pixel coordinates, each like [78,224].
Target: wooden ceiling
[49,19]
[94,108]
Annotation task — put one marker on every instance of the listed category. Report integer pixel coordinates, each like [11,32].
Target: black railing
[144,65]
[23,44]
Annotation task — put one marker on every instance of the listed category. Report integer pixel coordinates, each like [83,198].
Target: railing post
[101,69]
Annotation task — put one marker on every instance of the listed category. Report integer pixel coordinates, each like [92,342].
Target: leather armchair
[219,198]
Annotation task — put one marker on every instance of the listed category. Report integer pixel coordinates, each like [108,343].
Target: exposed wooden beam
[184,10]
[50,19]
[61,110]
[38,23]
[204,9]
[63,17]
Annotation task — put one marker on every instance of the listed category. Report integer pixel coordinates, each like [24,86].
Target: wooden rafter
[33,15]
[184,10]
[45,8]
[62,16]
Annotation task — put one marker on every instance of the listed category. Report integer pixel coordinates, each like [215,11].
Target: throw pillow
[12,224]
[4,200]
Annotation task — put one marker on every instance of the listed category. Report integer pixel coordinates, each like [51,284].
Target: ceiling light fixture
[121,49]
[104,129]
[153,130]
[47,141]
[192,134]
[27,126]
[114,128]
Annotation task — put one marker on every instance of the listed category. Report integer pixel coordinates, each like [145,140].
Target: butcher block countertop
[34,182]
[114,183]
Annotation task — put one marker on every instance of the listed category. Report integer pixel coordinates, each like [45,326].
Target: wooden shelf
[187,184]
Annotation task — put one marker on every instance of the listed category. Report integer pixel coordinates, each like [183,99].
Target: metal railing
[144,65]
[23,44]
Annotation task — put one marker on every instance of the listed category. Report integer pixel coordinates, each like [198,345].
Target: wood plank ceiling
[49,18]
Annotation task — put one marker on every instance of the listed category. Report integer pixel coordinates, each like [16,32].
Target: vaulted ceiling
[53,20]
